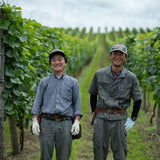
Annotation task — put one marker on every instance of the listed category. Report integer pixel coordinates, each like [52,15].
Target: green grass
[140,144]
[7,139]
[84,82]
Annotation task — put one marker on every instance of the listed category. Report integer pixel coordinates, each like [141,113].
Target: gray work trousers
[104,131]
[56,134]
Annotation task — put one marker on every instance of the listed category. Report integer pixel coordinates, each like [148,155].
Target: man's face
[118,58]
[58,64]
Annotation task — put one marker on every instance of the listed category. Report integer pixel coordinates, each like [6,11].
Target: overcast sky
[92,13]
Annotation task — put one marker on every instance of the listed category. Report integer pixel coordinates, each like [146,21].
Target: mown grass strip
[84,146]
[84,82]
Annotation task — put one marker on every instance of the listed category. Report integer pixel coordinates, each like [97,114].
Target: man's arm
[78,109]
[136,108]
[76,100]
[93,102]
[131,121]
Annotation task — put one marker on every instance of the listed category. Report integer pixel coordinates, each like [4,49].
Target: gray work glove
[35,127]
[129,124]
[75,127]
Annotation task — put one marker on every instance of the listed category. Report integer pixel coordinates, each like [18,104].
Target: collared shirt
[58,96]
[115,93]
[115,74]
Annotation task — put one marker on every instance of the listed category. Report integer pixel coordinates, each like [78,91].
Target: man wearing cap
[58,100]
[114,86]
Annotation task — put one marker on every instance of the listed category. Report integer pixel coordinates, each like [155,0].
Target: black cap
[58,51]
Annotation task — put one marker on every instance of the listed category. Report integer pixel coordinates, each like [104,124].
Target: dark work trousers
[106,131]
[56,134]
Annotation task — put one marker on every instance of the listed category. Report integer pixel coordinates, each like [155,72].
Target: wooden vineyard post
[1,89]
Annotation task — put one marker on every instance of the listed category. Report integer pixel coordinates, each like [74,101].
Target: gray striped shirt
[58,96]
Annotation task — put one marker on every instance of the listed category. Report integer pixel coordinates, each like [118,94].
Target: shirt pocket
[104,85]
[104,88]
[125,90]
[66,94]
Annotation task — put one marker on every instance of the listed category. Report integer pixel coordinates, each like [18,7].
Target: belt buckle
[114,112]
[57,120]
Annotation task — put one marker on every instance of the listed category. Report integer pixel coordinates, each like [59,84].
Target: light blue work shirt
[58,96]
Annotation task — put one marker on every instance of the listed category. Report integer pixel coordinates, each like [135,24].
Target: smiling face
[118,58]
[58,64]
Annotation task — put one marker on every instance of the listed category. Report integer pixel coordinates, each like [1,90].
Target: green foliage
[27,45]
[82,33]
[134,31]
[74,32]
[127,31]
[144,60]
[90,34]
[121,33]
[141,30]
[113,35]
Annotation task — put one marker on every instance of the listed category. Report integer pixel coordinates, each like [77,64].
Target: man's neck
[116,69]
[58,73]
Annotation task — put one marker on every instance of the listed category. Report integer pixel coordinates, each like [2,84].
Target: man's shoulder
[44,81]
[130,73]
[72,79]
[102,70]
[45,78]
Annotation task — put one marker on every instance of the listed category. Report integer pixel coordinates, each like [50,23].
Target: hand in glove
[75,127]
[129,124]
[35,127]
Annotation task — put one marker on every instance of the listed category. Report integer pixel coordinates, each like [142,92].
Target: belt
[112,111]
[55,117]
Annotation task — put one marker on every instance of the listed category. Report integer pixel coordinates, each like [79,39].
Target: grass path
[85,147]
[140,146]
[85,144]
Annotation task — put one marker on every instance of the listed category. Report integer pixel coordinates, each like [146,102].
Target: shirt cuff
[134,118]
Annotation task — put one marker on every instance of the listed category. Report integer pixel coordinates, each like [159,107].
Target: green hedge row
[27,45]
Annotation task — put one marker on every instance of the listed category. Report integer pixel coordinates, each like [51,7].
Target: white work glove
[35,127]
[129,124]
[75,127]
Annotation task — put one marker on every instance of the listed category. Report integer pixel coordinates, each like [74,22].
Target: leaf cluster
[144,59]
[27,45]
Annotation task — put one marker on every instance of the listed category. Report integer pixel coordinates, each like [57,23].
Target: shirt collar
[109,71]
[64,74]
